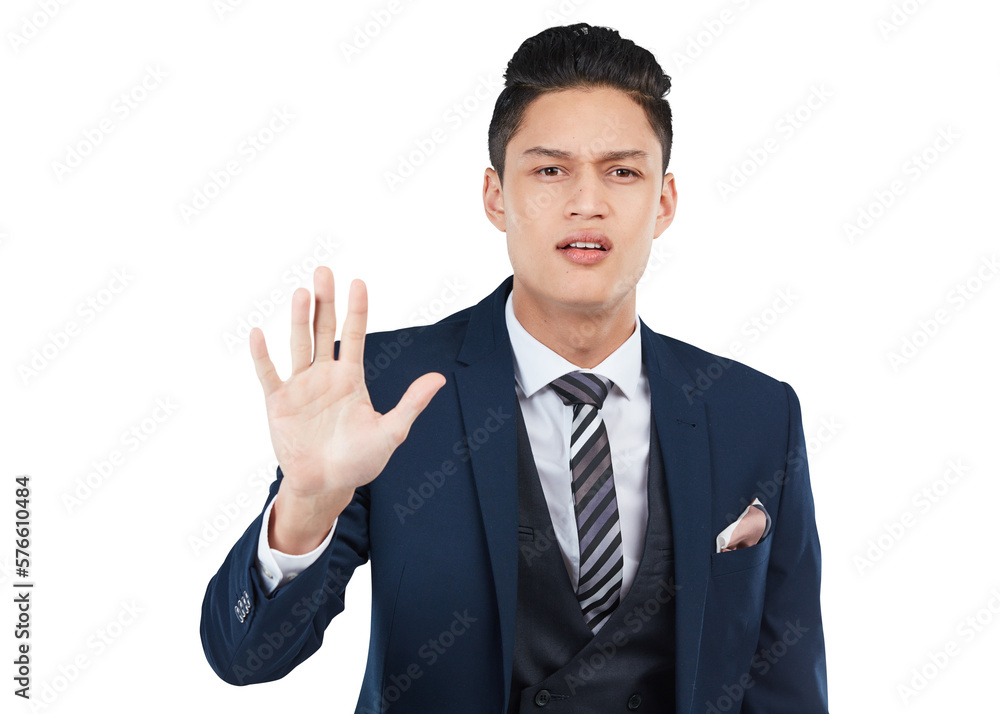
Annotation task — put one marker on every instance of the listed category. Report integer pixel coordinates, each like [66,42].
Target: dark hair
[573,57]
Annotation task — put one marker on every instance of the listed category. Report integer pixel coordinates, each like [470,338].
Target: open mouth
[585,240]
[585,247]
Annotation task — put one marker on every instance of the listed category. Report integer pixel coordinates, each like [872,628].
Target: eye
[547,169]
[628,173]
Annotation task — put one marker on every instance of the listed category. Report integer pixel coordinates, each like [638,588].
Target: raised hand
[327,437]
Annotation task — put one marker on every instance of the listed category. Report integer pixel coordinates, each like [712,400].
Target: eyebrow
[620,155]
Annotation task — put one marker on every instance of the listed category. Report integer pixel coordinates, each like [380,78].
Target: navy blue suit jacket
[439,526]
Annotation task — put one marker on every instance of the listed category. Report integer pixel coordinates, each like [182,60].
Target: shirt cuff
[277,568]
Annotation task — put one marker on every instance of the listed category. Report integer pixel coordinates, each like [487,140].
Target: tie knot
[582,388]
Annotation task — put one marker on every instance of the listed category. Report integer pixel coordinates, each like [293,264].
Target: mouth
[585,247]
[586,241]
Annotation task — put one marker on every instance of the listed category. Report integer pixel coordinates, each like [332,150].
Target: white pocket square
[749,529]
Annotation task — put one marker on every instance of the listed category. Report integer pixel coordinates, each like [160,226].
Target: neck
[582,335]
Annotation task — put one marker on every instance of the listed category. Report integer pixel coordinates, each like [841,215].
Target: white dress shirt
[548,422]
[549,425]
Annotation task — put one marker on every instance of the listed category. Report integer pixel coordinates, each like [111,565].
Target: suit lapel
[682,427]
[485,384]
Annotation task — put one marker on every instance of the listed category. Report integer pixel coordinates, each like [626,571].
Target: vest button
[634,702]
[542,698]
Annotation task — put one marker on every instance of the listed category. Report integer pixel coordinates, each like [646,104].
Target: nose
[587,197]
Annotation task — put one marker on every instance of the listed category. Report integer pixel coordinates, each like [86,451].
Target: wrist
[298,524]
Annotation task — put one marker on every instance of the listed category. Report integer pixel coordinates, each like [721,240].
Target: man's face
[584,168]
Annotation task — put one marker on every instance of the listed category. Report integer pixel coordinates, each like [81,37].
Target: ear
[493,200]
[668,204]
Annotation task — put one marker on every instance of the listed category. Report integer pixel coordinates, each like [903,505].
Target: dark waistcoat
[559,664]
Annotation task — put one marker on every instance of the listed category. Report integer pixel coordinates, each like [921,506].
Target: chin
[582,296]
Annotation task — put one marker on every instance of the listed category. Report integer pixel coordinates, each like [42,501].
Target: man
[587,516]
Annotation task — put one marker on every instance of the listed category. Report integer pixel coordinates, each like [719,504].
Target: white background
[880,433]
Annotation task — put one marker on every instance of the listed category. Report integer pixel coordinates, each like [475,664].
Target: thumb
[397,421]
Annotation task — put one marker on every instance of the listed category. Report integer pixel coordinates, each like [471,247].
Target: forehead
[584,122]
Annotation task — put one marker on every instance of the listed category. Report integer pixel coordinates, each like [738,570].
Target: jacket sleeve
[788,669]
[250,636]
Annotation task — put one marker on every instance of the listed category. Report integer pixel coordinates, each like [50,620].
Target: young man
[571,523]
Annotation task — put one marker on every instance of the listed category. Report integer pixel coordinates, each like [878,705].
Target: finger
[301,341]
[266,373]
[325,319]
[352,339]
[397,421]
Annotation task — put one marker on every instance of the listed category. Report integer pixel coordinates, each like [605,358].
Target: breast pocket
[733,561]
[735,599]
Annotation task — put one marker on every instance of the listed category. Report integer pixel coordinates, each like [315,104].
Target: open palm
[327,437]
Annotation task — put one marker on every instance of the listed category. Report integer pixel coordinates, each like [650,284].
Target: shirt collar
[535,365]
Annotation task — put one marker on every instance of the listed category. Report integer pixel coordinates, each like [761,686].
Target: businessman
[563,509]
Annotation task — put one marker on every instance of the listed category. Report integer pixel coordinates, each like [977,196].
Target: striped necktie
[600,578]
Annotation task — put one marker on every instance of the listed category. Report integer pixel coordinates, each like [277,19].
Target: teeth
[583,244]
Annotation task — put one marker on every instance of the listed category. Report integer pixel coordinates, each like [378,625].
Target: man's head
[575,57]
[583,136]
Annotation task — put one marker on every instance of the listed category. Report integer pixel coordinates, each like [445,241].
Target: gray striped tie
[599,585]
